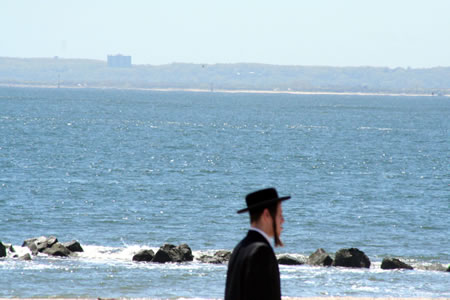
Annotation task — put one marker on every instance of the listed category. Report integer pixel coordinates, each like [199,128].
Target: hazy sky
[392,33]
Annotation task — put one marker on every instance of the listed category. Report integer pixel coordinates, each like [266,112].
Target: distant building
[119,61]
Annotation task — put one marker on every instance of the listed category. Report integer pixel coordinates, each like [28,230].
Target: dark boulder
[320,258]
[73,246]
[172,253]
[144,255]
[2,250]
[352,258]
[57,249]
[187,252]
[394,263]
[162,256]
[288,260]
[448,269]
[9,248]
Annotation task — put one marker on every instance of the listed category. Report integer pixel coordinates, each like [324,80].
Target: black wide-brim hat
[262,199]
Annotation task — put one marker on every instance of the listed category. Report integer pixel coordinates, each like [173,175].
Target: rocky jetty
[51,246]
[351,258]
[394,263]
[166,253]
[289,260]
[320,258]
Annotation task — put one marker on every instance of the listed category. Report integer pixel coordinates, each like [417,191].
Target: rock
[172,253]
[223,255]
[51,241]
[288,260]
[28,242]
[187,252]
[162,256]
[352,258]
[47,245]
[73,246]
[2,250]
[144,255]
[25,257]
[448,269]
[9,248]
[31,244]
[320,258]
[39,244]
[394,263]
[57,249]
[43,242]
[434,267]
[208,259]
[220,257]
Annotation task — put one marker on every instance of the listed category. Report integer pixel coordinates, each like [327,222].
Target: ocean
[125,170]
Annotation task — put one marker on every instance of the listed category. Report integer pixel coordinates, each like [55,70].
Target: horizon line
[57,57]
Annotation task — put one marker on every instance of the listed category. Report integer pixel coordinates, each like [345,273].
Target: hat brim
[263,204]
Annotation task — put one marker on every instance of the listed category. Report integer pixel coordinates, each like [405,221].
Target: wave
[124,255]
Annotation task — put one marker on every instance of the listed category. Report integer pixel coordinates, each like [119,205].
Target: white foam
[375,128]
[105,254]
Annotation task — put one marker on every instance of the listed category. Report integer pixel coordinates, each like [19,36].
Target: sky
[380,33]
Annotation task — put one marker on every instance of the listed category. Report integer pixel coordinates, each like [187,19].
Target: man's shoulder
[260,249]
[256,237]
[257,245]
[252,243]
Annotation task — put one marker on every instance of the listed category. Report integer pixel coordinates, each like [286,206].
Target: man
[253,272]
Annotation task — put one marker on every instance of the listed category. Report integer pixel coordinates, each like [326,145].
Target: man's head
[266,212]
[270,220]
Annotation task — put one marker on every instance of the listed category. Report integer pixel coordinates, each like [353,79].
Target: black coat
[253,272]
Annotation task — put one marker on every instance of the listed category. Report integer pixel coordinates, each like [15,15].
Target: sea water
[124,170]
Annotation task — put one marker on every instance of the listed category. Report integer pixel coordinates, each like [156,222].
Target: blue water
[122,170]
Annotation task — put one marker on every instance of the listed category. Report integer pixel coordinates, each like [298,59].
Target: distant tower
[119,61]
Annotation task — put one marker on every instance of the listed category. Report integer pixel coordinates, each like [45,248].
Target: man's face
[279,219]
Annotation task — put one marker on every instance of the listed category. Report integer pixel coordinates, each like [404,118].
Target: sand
[223,91]
[284,298]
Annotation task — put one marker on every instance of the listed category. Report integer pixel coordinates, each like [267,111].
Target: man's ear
[266,214]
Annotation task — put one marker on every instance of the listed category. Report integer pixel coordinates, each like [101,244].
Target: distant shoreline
[244,91]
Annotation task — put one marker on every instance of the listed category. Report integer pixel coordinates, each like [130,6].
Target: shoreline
[283,298]
[245,91]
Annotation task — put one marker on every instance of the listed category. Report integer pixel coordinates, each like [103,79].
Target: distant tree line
[96,73]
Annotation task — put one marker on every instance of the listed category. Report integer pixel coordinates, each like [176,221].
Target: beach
[237,91]
[283,298]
